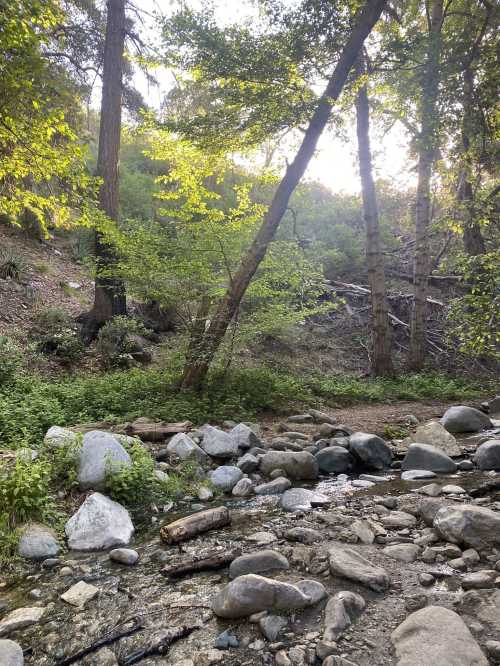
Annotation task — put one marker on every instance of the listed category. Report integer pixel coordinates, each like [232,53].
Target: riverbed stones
[126,556]
[479,580]
[244,437]
[302,499]
[275,487]
[217,443]
[404,552]
[251,594]
[474,526]
[370,450]
[244,488]
[305,535]
[438,636]
[435,434]
[20,618]
[225,477]
[431,490]
[487,455]
[79,593]
[297,466]
[272,625]
[465,419]
[248,463]
[312,589]
[38,542]
[427,457]
[100,455]
[11,653]
[398,520]
[99,524]
[341,611]
[255,563]
[335,459]
[182,446]
[348,563]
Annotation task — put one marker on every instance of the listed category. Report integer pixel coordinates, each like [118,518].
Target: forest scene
[249,332]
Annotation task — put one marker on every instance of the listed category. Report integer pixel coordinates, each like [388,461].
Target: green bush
[56,334]
[115,344]
[133,486]
[12,265]
[24,491]
[10,359]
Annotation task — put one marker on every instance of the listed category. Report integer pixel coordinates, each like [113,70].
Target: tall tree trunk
[382,358]
[427,151]
[195,371]
[109,298]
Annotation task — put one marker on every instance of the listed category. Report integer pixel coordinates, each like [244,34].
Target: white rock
[20,619]
[79,593]
[99,524]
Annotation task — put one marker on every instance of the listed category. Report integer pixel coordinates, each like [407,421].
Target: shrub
[56,334]
[10,359]
[133,486]
[12,265]
[24,488]
[116,344]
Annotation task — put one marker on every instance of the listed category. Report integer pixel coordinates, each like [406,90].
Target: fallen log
[160,647]
[197,523]
[212,561]
[152,431]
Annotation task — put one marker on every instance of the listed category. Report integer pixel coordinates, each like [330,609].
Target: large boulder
[302,499]
[256,563]
[101,454]
[182,446]
[37,542]
[252,594]
[435,434]
[244,437]
[475,526]
[428,457]
[11,653]
[56,437]
[335,459]
[217,443]
[341,611]
[297,465]
[226,477]
[99,524]
[465,419]
[438,636]
[487,455]
[370,450]
[348,563]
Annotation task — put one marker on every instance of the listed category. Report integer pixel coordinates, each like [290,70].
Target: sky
[335,163]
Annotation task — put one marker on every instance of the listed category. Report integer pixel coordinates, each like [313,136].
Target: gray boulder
[465,419]
[487,455]
[427,457]
[57,436]
[38,542]
[341,611]
[475,526]
[124,556]
[301,499]
[244,437]
[100,455]
[182,446]
[438,636]
[348,563]
[226,477]
[248,463]
[244,488]
[275,487]
[11,653]
[296,465]
[256,563]
[404,552]
[217,443]
[312,589]
[99,524]
[435,434]
[335,459]
[370,450]
[252,594]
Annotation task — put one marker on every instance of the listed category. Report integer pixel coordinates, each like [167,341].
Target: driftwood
[197,523]
[212,561]
[160,647]
[152,431]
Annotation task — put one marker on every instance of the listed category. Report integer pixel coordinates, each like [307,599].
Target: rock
[226,640]
[182,446]
[487,455]
[56,437]
[260,562]
[475,526]
[428,509]
[20,619]
[217,443]
[250,594]
[272,625]
[375,479]
[11,653]
[465,465]
[290,434]
[276,487]
[296,465]
[100,455]
[359,483]
[244,437]
[426,579]
[414,602]
[465,419]
[205,494]
[492,648]
[450,489]
[341,611]
[244,488]
[427,457]
[79,593]
[363,530]
[398,520]
[38,542]
[335,459]
[248,463]
[417,474]
[479,580]
[431,490]
[124,556]
[436,435]
[301,499]
[226,477]
[438,636]
[303,535]
[350,564]
[262,538]
[312,589]
[281,659]
[98,524]
[405,552]
[322,417]
[371,450]
[300,418]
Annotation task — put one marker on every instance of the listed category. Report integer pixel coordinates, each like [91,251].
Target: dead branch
[212,561]
[161,647]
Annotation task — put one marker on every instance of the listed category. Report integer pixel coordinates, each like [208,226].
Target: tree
[196,368]
[382,359]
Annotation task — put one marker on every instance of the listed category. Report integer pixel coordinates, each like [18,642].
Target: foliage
[24,491]
[12,265]
[115,344]
[133,486]
[10,359]
[56,334]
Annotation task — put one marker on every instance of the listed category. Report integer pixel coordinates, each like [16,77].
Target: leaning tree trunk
[196,369]
[427,151]
[109,298]
[382,358]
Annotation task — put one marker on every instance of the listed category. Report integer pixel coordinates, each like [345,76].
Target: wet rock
[260,562]
[101,454]
[56,437]
[20,619]
[124,556]
[479,580]
[226,640]
[304,535]
[417,474]
[341,611]
[475,526]
[11,653]
[98,524]
[296,465]
[438,636]
[217,443]
[38,542]
[487,455]
[250,594]
[435,434]
[79,593]
[272,625]
[275,487]
[350,564]
[244,488]
[405,552]
[182,446]
[465,419]
[398,519]
[312,589]
[427,457]
[226,477]
[335,459]
[370,450]
[301,499]
[248,463]
[244,437]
